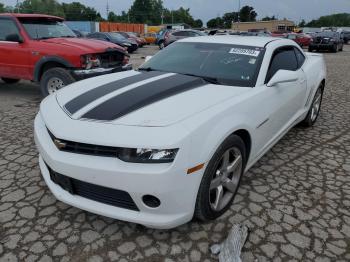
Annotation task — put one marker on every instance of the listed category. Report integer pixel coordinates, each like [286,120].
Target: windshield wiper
[211,80]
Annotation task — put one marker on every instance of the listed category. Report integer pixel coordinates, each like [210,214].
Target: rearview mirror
[148,58]
[283,76]
[14,38]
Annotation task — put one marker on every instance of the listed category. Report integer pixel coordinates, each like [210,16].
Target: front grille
[85,149]
[105,195]
[111,59]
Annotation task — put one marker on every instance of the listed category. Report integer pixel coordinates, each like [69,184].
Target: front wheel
[221,179]
[314,110]
[10,80]
[55,79]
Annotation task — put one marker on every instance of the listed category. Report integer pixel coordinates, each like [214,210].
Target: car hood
[151,99]
[84,45]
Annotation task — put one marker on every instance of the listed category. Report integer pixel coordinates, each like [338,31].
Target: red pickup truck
[43,49]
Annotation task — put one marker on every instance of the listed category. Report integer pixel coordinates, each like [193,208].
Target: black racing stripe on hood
[83,100]
[142,96]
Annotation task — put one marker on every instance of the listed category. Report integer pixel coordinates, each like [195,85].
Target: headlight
[126,44]
[90,61]
[145,155]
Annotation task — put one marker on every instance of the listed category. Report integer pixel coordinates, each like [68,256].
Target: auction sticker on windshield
[245,51]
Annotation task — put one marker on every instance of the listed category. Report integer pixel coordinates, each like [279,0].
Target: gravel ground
[295,200]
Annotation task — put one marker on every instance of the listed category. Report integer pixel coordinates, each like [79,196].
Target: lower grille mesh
[105,195]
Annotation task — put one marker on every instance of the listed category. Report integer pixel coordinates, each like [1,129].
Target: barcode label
[243,51]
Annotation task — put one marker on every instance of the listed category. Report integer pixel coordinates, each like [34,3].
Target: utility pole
[239,13]
[162,16]
[17,5]
[107,10]
[172,17]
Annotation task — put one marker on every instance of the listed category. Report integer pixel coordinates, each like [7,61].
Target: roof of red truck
[32,16]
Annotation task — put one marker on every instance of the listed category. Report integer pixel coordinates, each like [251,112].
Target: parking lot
[295,200]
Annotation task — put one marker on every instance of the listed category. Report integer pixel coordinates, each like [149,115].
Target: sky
[206,9]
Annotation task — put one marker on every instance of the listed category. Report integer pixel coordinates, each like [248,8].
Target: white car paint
[196,122]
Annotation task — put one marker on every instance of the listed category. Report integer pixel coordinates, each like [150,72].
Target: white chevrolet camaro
[171,141]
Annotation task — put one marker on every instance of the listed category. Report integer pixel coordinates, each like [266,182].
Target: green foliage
[78,12]
[215,23]
[146,11]
[268,18]
[302,23]
[342,19]
[50,7]
[2,8]
[246,14]
[123,18]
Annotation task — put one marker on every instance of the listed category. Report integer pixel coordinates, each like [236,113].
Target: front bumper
[169,182]
[81,74]
[321,46]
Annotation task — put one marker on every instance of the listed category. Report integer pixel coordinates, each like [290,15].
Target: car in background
[115,38]
[43,49]
[137,37]
[346,37]
[150,38]
[301,39]
[171,37]
[137,40]
[327,40]
[160,37]
[80,34]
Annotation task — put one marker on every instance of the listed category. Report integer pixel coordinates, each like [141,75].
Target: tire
[341,49]
[10,80]
[54,79]
[335,49]
[310,50]
[161,45]
[205,208]
[311,118]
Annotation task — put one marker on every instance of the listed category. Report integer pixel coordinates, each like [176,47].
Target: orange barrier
[111,27]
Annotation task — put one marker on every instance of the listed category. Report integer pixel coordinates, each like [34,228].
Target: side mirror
[283,76]
[14,38]
[148,58]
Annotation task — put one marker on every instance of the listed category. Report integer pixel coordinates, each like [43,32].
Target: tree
[146,11]
[2,8]
[78,12]
[302,23]
[198,23]
[228,18]
[215,23]
[247,14]
[342,19]
[50,7]
[123,18]
[268,18]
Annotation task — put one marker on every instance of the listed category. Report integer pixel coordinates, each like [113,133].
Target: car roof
[256,41]
[17,15]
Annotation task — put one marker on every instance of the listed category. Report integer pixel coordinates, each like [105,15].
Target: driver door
[14,56]
[282,102]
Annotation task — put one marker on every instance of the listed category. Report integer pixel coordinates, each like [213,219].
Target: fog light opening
[151,201]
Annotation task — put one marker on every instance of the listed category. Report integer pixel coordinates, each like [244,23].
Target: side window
[300,57]
[283,58]
[178,34]
[7,27]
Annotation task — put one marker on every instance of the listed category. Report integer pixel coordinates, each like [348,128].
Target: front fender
[45,59]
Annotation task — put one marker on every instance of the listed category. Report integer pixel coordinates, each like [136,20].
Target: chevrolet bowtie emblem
[59,143]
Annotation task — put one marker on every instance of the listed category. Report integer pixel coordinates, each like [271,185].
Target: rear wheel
[315,108]
[161,45]
[10,80]
[221,179]
[55,79]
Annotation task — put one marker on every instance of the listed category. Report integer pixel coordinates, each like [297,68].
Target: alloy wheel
[225,181]
[316,105]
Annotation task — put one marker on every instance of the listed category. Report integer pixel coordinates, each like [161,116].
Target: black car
[346,36]
[327,40]
[80,34]
[115,38]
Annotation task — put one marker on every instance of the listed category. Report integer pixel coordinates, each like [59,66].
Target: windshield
[234,65]
[44,29]
[117,36]
[327,34]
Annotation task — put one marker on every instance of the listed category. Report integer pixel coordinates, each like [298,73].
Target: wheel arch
[247,139]
[49,62]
